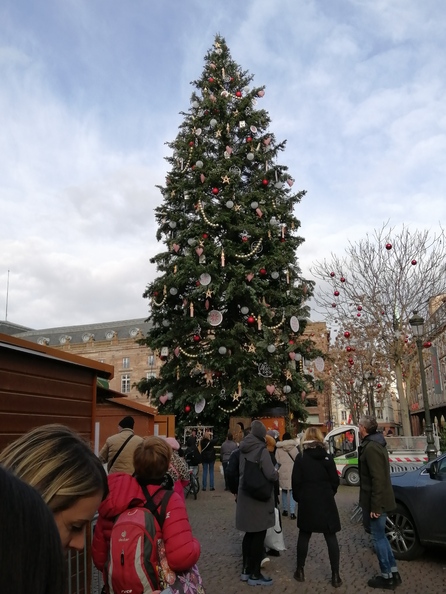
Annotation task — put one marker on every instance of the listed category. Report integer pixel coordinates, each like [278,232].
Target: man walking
[227,447]
[118,450]
[376,498]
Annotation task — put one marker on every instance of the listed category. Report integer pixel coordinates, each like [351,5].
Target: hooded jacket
[315,482]
[376,492]
[286,452]
[253,515]
[182,549]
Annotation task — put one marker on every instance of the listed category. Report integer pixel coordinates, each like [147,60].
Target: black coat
[208,450]
[315,482]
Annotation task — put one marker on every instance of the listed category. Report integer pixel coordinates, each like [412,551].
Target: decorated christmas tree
[228,307]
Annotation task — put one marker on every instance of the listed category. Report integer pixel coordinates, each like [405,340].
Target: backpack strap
[158,500]
[115,457]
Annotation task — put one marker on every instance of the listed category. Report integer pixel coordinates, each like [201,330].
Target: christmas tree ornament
[199,164]
[250,156]
[205,279]
[259,213]
[187,408]
[270,388]
[172,224]
[286,389]
[195,104]
[262,272]
[254,205]
[196,338]
[213,123]
[261,93]
[199,251]
[166,323]
[173,290]
[215,317]
[388,246]
[264,370]
[427,344]
[238,94]
[294,324]
[265,182]
[199,406]
[250,320]
[274,275]
[164,353]
[278,185]
[175,247]
[413,262]
[249,277]
[271,348]
[163,399]
[191,241]
[222,350]
[249,139]
[336,293]
[292,355]
[210,79]
[229,204]
[267,140]
[319,363]
[215,191]
[244,310]
[204,235]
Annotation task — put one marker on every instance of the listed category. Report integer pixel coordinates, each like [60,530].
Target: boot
[396,578]
[299,574]
[335,579]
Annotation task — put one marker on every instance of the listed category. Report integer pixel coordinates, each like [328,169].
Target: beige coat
[286,452]
[124,462]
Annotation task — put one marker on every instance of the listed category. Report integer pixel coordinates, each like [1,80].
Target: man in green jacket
[376,499]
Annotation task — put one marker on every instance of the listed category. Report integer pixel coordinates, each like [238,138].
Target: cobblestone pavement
[212,517]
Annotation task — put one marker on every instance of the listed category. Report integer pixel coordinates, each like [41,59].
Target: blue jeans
[292,509]
[381,545]
[208,466]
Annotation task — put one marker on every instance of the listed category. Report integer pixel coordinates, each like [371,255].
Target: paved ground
[212,517]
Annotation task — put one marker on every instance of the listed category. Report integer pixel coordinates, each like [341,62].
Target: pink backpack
[133,544]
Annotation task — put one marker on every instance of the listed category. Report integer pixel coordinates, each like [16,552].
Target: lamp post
[370,378]
[417,324]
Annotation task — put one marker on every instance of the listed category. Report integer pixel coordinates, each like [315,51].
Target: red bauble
[215,191]
[282,240]
[342,279]
[244,238]
[332,274]
[251,319]
[336,293]
[249,139]
[155,293]
[191,143]
[359,308]
[378,386]
[265,182]
[427,344]
[187,408]
[388,246]
[204,235]
[197,338]
[347,334]
[348,349]
[291,341]
[238,93]
[413,262]
[359,315]
[333,305]
[351,361]
[211,80]
[262,271]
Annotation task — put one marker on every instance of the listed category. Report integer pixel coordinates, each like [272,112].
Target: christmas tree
[228,306]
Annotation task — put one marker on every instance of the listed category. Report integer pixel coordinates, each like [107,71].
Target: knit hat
[258,429]
[286,436]
[270,443]
[173,443]
[127,423]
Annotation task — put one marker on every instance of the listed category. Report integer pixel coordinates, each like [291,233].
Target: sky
[91,91]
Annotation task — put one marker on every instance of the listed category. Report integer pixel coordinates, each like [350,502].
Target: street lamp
[417,324]
[370,378]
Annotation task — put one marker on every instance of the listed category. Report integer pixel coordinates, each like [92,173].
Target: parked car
[420,516]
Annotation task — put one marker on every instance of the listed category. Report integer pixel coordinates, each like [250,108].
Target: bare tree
[378,283]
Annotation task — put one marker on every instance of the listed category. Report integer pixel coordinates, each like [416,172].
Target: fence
[82,575]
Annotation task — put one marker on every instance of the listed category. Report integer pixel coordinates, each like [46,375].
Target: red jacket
[182,549]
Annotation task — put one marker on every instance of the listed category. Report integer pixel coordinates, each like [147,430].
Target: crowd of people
[52,485]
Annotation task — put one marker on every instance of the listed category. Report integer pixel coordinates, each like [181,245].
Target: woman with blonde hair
[151,461]
[314,483]
[62,467]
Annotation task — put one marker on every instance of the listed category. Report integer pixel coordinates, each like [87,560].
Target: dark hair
[286,435]
[246,431]
[230,436]
[31,556]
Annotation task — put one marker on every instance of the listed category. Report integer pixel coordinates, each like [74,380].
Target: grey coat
[252,515]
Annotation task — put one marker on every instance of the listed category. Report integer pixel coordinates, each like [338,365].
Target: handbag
[181,582]
[274,535]
[255,482]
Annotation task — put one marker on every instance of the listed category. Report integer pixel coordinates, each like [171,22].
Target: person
[207,444]
[62,467]
[178,468]
[254,517]
[376,498]
[31,556]
[227,447]
[286,452]
[314,482]
[151,461]
[117,451]
[271,447]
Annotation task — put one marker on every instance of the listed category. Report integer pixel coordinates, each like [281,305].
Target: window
[379,413]
[343,415]
[151,360]
[125,383]
[125,363]
[151,374]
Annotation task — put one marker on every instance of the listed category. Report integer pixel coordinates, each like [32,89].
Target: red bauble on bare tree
[336,293]
[332,274]
[388,246]
[413,262]
[347,334]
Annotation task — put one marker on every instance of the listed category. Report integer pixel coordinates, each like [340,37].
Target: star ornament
[288,375]
[251,348]
[209,293]
[235,397]
[218,134]
[225,179]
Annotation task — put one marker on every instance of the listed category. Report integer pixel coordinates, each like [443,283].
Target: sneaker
[244,576]
[212,489]
[380,581]
[293,516]
[284,513]
[264,561]
[396,578]
[259,580]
